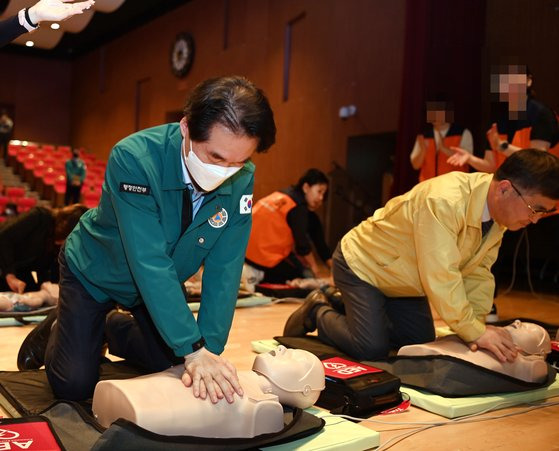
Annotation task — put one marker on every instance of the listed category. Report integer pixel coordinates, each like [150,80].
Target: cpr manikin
[161,403]
[531,340]
[25,302]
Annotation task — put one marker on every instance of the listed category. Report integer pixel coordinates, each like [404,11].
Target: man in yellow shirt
[435,244]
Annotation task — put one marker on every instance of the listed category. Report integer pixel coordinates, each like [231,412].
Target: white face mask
[207,176]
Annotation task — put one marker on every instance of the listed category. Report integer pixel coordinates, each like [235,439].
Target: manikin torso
[161,403]
[141,399]
[532,341]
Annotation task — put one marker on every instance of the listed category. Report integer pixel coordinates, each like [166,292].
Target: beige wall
[343,52]
[39,90]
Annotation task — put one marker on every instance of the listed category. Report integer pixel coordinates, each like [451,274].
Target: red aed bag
[29,433]
[353,388]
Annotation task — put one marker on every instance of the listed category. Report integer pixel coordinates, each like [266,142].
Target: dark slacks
[73,194]
[288,269]
[373,323]
[73,352]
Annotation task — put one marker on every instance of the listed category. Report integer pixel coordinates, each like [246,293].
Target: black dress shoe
[334,296]
[31,355]
[303,319]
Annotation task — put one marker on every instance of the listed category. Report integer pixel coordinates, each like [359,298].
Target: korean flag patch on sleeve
[245,205]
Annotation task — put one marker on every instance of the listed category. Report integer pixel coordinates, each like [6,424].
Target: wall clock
[182,54]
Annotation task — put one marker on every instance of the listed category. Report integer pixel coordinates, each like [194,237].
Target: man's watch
[504,145]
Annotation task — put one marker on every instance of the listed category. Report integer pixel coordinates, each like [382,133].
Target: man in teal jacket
[194,176]
[76,170]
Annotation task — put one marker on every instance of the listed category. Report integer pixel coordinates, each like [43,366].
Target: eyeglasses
[535,211]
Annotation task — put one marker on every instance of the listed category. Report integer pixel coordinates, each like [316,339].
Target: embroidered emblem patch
[219,219]
[136,189]
[245,205]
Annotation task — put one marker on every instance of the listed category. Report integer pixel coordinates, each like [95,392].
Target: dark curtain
[443,55]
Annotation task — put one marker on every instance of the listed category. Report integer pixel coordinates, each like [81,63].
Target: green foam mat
[457,407]
[261,346]
[338,434]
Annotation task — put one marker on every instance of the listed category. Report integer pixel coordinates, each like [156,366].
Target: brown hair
[66,218]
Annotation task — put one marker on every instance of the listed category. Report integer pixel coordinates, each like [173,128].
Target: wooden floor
[535,430]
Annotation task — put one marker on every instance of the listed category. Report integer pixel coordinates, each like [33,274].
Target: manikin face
[297,373]
[530,338]
[314,195]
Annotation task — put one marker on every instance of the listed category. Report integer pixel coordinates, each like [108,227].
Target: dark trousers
[72,194]
[373,323]
[74,349]
[288,269]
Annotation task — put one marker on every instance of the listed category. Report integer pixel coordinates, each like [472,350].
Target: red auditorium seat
[29,164]
[14,192]
[91,197]
[38,172]
[17,165]
[47,182]
[12,153]
[3,202]
[96,171]
[25,204]
[59,191]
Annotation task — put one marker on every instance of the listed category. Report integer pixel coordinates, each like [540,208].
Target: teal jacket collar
[172,171]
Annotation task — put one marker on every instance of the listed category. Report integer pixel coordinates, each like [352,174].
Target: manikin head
[296,376]
[529,338]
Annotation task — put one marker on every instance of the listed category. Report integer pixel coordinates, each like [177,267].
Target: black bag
[364,393]
[366,390]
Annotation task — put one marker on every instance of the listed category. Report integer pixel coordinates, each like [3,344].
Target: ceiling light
[55,26]
[29,43]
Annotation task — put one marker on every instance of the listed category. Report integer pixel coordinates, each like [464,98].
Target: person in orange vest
[527,122]
[432,149]
[284,229]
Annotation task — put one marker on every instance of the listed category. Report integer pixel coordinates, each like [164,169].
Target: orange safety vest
[435,163]
[499,156]
[271,239]
[520,139]
[555,150]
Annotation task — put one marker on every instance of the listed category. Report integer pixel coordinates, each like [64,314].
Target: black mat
[28,393]
[442,375]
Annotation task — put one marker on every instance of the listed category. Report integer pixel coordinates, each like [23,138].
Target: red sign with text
[346,369]
[30,436]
